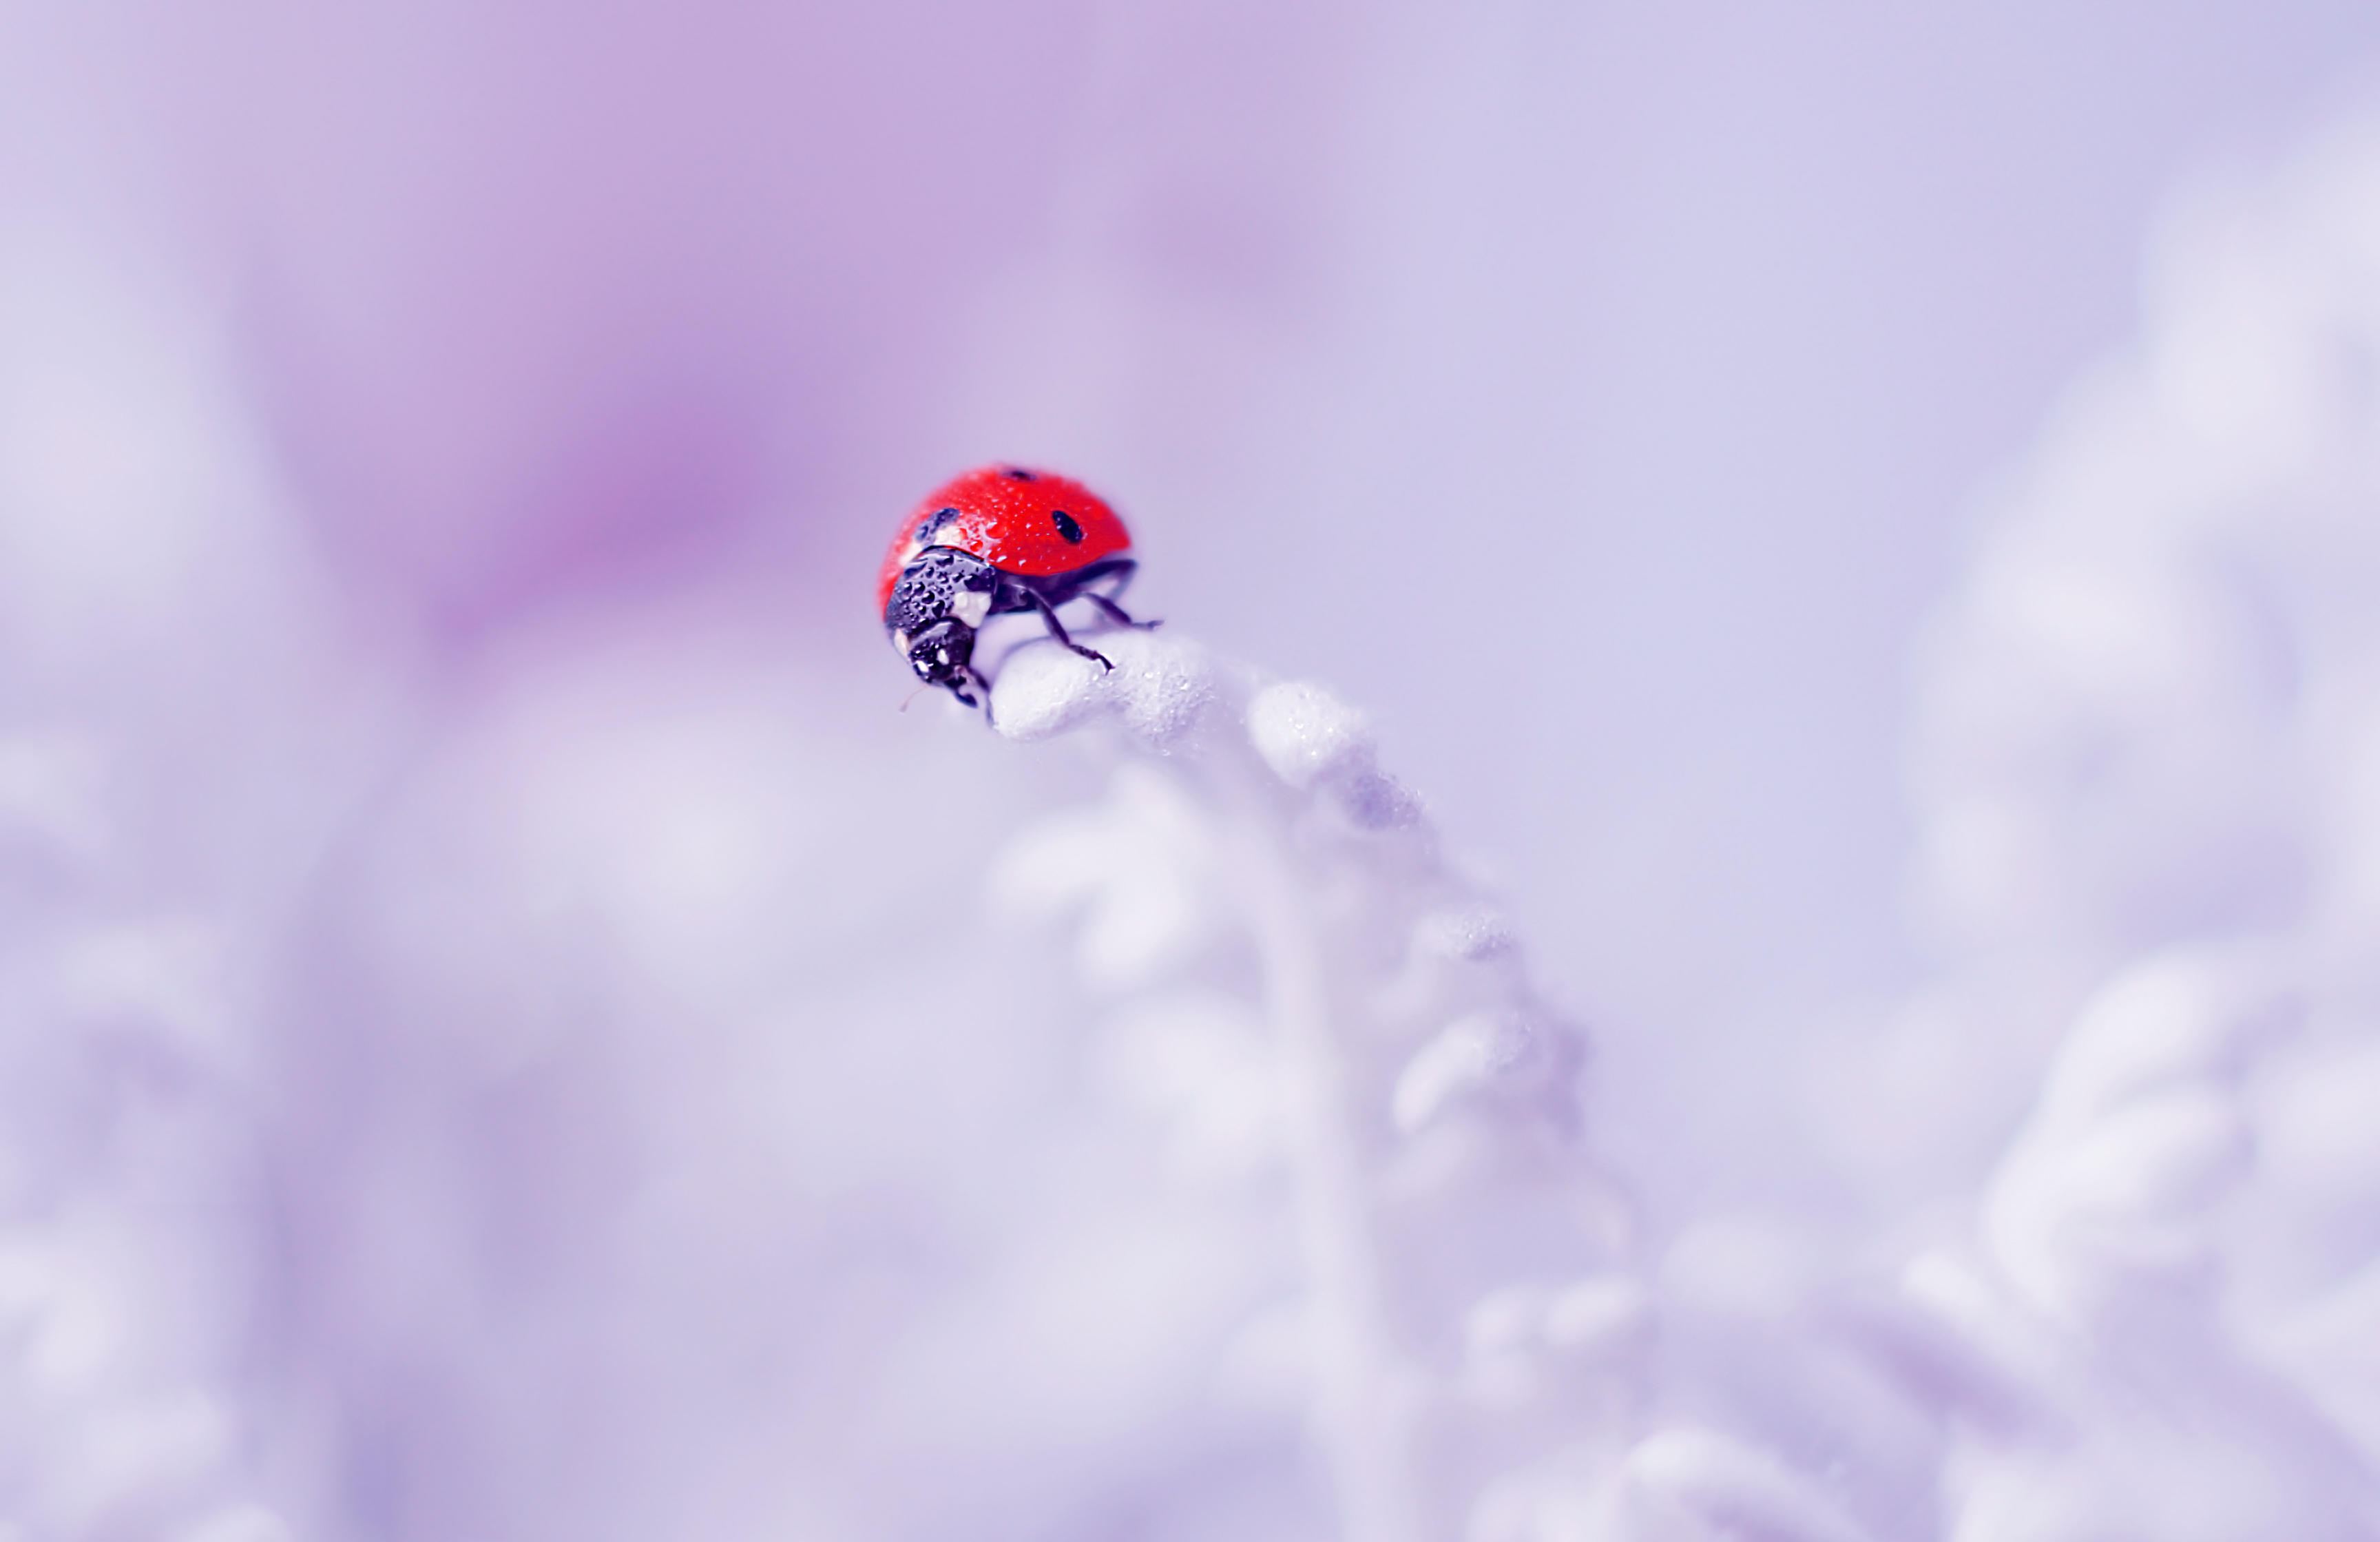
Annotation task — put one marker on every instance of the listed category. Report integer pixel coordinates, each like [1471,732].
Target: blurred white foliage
[130,509]
[2144,761]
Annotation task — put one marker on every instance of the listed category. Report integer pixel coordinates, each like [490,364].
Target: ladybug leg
[1058,630]
[1117,613]
[1120,570]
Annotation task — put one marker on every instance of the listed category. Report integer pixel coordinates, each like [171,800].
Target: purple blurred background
[1597,393]
[1374,318]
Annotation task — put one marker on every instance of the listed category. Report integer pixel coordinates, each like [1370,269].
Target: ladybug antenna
[914,696]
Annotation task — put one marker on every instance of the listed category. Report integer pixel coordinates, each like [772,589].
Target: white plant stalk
[1469,1308]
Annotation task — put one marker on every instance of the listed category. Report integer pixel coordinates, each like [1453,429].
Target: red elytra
[1014,518]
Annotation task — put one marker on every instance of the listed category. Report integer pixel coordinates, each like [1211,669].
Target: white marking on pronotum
[900,642]
[971,605]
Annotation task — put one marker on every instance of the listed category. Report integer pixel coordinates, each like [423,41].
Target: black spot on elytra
[934,522]
[1021,474]
[1067,527]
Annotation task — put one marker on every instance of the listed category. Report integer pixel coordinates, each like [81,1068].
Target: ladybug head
[932,612]
[941,655]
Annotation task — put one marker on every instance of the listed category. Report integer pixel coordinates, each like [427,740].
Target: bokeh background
[450,763]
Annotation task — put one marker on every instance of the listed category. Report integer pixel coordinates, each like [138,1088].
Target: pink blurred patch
[539,301]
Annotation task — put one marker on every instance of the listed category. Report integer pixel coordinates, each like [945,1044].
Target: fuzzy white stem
[1362,1400]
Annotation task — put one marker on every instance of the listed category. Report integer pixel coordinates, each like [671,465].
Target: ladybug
[996,541]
